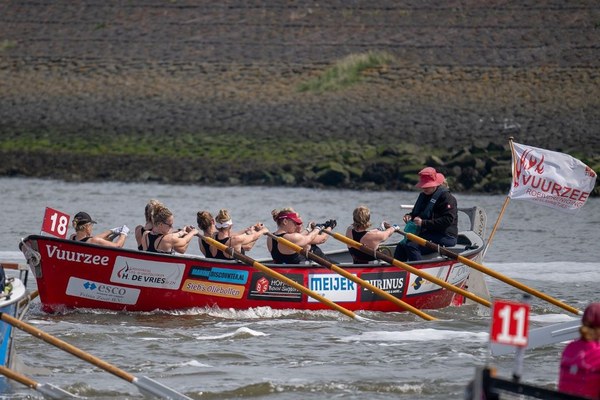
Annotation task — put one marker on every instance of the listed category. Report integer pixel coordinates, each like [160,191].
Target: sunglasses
[169,225]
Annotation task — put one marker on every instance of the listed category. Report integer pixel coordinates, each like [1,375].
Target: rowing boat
[73,275]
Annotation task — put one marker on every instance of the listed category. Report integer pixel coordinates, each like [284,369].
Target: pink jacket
[580,369]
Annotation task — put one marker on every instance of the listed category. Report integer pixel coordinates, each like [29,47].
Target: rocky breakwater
[208,93]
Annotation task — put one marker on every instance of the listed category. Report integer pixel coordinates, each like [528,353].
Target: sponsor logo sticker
[458,274]
[333,287]
[87,289]
[391,282]
[215,274]
[264,287]
[155,274]
[213,289]
[418,285]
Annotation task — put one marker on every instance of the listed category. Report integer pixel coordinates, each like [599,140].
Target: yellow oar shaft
[475,265]
[410,269]
[248,260]
[66,347]
[15,376]
[353,278]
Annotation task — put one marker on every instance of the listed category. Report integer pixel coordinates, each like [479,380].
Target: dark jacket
[444,216]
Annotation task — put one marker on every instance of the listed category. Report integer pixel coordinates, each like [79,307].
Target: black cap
[83,218]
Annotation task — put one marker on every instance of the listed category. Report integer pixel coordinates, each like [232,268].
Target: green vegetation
[243,159]
[6,45]
[347,71]
[222,148]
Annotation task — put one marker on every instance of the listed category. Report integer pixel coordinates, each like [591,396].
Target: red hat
[290,215]
[429,177]
[591,316]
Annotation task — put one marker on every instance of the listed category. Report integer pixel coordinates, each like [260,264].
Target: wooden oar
[351,277]
[46,389]
[248,260]
[409,268]
[475,265]
[145,384]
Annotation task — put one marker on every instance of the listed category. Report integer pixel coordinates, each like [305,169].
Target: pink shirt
[580,369]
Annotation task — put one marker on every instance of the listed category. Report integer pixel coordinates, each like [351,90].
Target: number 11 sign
[55,223]
[510,323]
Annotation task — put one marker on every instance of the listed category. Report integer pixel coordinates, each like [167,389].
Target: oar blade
[151,387]
[543,336]
[54,392]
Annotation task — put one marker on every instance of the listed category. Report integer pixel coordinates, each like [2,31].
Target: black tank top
[153,241]
[206,248]
[358,257]
[220,255]
[280,258]
[142,230]
[85,239]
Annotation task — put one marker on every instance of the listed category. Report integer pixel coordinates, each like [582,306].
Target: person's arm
[201,246]
[247,240]
[145,240]
[302,240]
[138,234]
[349,233]
[321,237]
[374,237]
[181,240]
[102,239]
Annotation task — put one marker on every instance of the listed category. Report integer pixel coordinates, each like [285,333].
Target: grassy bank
[236,159]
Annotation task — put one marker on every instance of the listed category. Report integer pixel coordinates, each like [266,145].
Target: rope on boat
[33,257]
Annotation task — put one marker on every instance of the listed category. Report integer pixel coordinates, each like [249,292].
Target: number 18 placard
[55,223]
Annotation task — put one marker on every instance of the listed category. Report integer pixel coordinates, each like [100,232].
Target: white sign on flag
[550,178]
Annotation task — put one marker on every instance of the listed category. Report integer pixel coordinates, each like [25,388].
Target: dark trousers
[411,251]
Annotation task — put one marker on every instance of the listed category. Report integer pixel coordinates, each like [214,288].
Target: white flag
[550,178]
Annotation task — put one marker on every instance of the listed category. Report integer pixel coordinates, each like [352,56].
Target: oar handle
[66,347]
[263,268]
[409,268]
[347,275]
[445,252]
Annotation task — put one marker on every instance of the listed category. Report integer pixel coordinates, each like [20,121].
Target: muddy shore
[222,79]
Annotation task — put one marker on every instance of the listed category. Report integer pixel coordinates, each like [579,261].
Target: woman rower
[206,223]
[162,238]
[359,231]
[84,225]
[239,242]
[140,229]
[289,227]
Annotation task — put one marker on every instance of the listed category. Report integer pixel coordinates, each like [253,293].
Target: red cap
[591,316]
[290,215]
[429,177]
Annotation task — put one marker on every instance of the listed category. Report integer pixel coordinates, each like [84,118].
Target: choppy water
[262,353]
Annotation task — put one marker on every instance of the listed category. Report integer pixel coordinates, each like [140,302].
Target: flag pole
[489,241]
[504,205]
